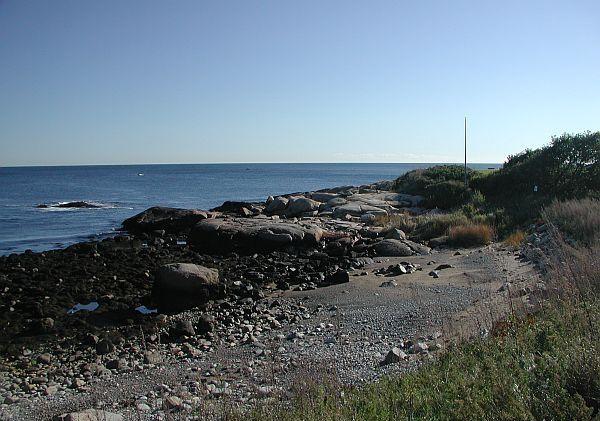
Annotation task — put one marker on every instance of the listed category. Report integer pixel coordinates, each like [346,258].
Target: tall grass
[470,235]
[577,219]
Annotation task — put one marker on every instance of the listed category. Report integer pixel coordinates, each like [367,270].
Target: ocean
[121,191]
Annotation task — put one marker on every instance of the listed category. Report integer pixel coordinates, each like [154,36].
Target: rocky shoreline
[214,291]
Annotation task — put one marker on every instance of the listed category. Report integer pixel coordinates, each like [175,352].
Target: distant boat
[140,174]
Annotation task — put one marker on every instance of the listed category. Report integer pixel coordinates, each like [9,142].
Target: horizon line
[234,163]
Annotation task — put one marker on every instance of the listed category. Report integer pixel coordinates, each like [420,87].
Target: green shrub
[417,181]
[569,167]
[446,194]
[432,226]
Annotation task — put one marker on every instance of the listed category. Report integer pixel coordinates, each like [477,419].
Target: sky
[116,82]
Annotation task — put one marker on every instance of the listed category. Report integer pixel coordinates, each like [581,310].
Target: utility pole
[466,152]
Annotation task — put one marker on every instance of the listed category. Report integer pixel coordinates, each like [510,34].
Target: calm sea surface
[126,190]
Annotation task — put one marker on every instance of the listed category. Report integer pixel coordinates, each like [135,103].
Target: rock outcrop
[251,235]
[172,220]
[392,248]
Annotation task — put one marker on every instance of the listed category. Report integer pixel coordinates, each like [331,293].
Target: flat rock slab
[252,235]
[400,248]
[90,415]
[172,220]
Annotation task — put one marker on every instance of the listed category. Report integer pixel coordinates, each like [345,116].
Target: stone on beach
[172,220]
[299,205]
[90,415]
[234,234]
[183,284]
[391,248]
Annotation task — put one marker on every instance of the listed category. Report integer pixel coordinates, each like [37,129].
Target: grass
[515,239]
[541,367]
[426,227]
[470,235]
[577,219]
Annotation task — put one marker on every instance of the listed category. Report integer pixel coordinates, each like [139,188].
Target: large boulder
[251,235]
[393,247]
[357,209]
[301,205]
[180,285]
[239,208]
[276,206]
[172,220]
[90,415]
[323,196]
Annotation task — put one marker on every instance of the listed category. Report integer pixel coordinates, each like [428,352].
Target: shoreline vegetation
[234,276]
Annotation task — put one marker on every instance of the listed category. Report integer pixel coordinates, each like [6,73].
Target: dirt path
[347,331]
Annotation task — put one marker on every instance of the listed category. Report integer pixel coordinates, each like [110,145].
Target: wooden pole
[466,152]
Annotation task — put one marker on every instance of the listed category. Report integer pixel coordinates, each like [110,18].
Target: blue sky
[91,82]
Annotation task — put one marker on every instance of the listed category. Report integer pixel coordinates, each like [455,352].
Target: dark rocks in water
[181,285]
[77,204]
[171,220]
[251,235]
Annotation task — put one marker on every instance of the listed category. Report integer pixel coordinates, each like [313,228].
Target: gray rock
[323,196]
[90,415]
[392,248]
[104,346]
[277,205]
[357,209]
[439,241]
[395,234]
[388,284]
[368,218]
[395,355]
[299,205]
[151,357]
[179,285]
[171,220]
[251,235]
[419,348]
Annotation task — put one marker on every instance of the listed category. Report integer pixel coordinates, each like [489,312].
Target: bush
[577,219]
[429,227]
[569,167]
[417,181]
[446,194]
[470,235]
[515,239]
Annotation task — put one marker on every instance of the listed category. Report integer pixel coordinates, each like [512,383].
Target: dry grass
[515,239]
[577,219]
[401,221]
[471,235]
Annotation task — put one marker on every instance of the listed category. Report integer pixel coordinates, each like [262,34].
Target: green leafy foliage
[569,167]
[417,181]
